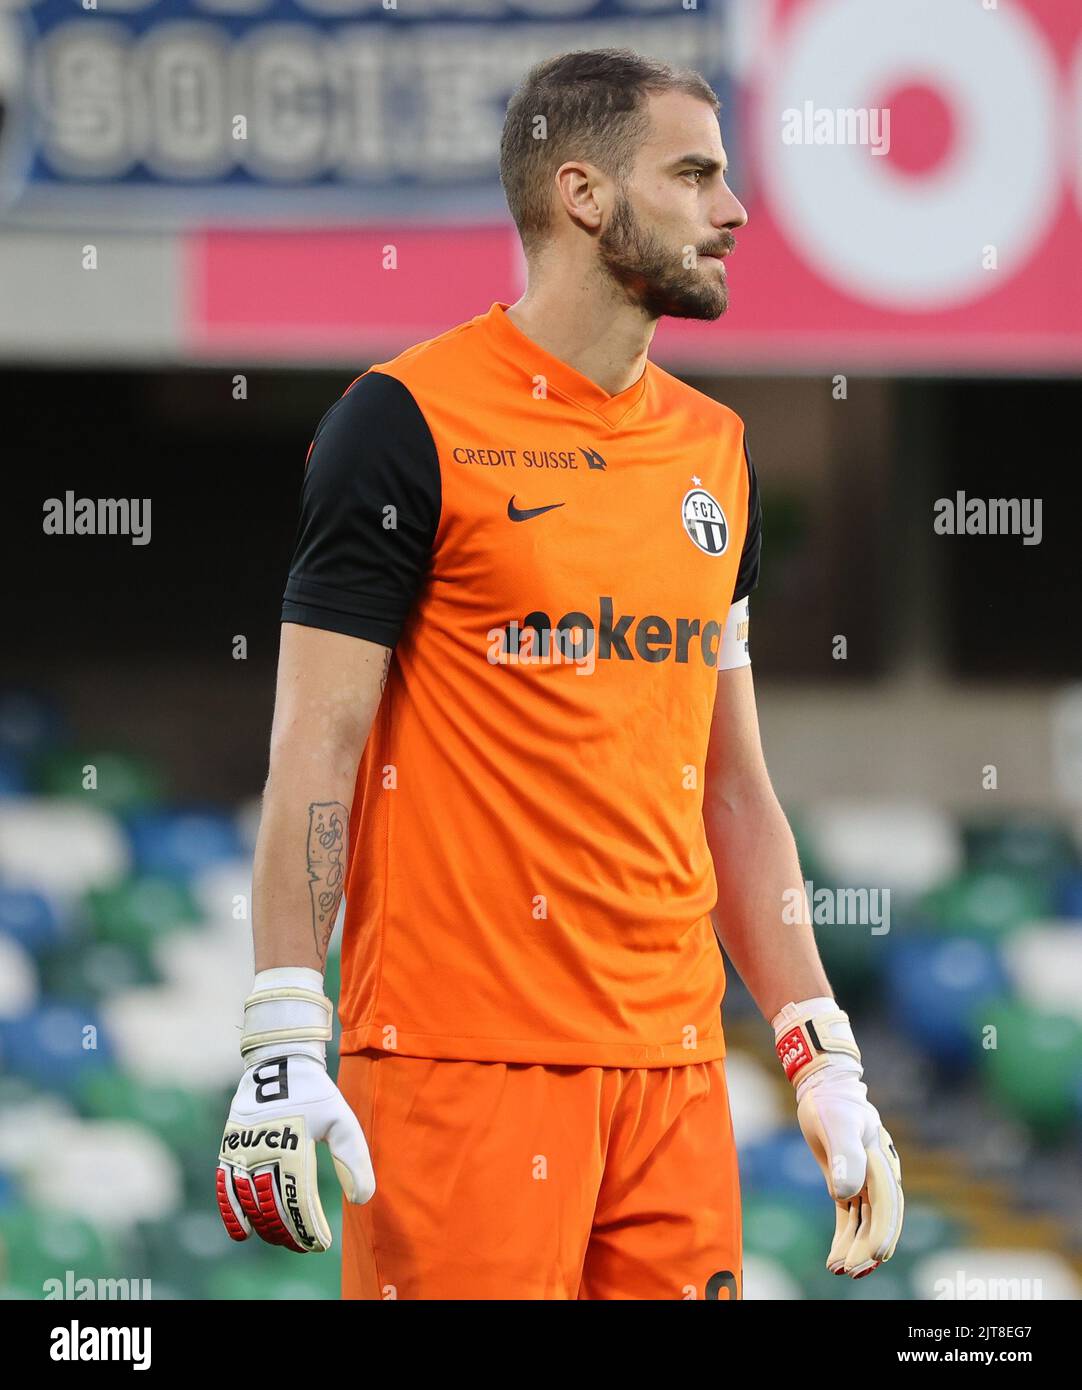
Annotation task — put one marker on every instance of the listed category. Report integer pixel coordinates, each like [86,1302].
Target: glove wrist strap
[285,1014]
[812,1035]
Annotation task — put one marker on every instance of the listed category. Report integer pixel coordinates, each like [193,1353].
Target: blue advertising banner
[398,98]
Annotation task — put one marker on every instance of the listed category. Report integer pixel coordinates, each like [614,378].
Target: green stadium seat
[138,911]
[791,1231]
[988,903]
[180,1117]
[1034,1069]
[38,1244]
[852,958]
[92,970]
[123,780]
[1023,844]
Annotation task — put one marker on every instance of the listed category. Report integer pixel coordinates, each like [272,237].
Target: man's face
[673,220]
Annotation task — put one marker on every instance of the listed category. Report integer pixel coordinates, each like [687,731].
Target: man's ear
[581,190]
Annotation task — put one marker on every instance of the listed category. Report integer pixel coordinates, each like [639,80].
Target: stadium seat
[221,886]
[33,919]
[181,960]
[34,1120]
[852,958]
[139,911]
[760,1098]
[933,985]
[121,780]
[111,1172]
[989,903]
[781,1165]
[38,1243]
[14,777]
[1044,963]
[767,1280]
[165,1035]
[93,970]
[183,1119]
[1068,894]
[18,979]
[907,847]
[928,1228]
[794,1231]
[1034,1068]
[1020,843]
[189,1246]
[55,1042]
[178,843]
[60,848]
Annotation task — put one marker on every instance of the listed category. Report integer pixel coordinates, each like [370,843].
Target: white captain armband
[733,651]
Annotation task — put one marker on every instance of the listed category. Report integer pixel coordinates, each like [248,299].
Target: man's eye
[695,173]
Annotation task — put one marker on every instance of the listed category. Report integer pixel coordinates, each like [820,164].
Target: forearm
[759,877]
[300,857]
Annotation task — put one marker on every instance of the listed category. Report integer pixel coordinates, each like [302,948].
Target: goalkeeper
[515,726]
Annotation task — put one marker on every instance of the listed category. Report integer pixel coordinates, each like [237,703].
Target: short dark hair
[594,108]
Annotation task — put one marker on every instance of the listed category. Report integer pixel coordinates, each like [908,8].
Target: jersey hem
[550,1053]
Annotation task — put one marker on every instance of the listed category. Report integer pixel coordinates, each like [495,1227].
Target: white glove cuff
[288,977]
[813,1035]
[287,1012]
[808,1008]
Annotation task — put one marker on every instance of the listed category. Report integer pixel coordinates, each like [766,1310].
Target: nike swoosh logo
[524,513]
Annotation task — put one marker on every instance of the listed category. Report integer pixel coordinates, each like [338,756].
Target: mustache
[726,248]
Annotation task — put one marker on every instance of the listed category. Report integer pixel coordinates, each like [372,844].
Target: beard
[654,277]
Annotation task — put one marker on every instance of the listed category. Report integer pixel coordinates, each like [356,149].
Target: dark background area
[849,546]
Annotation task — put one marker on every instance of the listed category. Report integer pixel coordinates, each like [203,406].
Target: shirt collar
[561,377]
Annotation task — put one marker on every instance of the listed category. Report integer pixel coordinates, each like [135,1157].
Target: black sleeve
[747,576]
[353,570]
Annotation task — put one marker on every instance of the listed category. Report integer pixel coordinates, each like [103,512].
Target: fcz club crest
[704,521]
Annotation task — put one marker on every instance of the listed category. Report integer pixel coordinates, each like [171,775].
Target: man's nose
[730,212]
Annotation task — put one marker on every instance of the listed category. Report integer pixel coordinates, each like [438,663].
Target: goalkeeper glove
[815,1045]
[286,1104]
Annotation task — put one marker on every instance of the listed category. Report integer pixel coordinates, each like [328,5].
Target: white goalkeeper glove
[286,1104]
[815,1045]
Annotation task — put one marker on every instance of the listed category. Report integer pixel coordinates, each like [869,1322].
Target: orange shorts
[500,1180]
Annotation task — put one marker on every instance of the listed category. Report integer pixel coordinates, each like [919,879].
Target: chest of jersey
[571,537]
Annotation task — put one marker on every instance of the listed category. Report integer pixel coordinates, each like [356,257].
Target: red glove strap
[794,1050]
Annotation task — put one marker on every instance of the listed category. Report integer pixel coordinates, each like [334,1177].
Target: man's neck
[604,338]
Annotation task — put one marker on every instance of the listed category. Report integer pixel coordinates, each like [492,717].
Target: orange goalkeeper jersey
[528,876]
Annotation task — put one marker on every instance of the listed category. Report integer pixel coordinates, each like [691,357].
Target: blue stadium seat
[932,987]
[1069,894]
[181,843]
[781,1165]
[31,918]
[48,1043]
[13,774]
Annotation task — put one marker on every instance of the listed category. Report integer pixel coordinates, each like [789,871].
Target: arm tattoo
[383,674]
[327,822]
